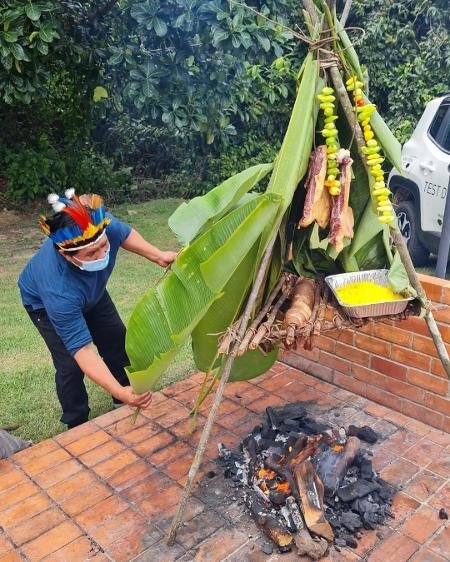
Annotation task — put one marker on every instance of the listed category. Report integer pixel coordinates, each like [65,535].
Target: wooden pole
[345,12]
[177,520]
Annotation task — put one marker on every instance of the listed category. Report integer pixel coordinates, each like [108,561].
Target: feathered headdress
[86,211]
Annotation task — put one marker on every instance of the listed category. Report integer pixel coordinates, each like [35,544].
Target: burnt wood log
[275,530]
[332,464]
[285,474]
[311,493]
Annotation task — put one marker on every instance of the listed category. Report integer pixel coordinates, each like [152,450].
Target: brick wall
[393,363]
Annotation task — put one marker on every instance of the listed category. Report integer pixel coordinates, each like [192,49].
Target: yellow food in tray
[366,292]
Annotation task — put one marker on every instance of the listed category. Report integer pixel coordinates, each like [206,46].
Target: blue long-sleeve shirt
[66,292]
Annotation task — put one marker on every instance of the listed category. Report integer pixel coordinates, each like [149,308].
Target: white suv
[421,190]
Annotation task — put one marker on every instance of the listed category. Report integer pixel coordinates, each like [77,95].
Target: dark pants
[108,334]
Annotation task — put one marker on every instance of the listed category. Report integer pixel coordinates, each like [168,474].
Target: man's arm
[95,368]
[138,245]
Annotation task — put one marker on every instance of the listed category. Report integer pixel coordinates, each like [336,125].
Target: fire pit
[308,484]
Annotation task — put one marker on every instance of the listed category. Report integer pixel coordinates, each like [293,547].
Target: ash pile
[308,485]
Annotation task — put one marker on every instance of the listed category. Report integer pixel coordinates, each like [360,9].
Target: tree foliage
[191,90]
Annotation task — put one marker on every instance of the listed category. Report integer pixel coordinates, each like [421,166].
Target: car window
[439,130]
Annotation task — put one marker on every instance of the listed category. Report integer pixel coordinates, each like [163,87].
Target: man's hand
[166,258]
[137,400]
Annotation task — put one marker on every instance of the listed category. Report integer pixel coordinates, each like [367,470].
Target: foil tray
[378,276]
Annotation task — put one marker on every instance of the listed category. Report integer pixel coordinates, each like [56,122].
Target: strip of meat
[317,205]
[342,221]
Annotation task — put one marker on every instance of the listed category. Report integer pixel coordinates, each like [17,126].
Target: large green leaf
[166,316]
[222,313]
[191,218]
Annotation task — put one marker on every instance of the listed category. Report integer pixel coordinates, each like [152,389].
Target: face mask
[95,265]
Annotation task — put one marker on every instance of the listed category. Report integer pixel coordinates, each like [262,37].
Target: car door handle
[428,167]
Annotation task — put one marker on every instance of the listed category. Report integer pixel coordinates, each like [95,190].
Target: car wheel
[409,225]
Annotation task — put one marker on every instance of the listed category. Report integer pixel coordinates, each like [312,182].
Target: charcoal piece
[365,433]
[277,498]
[386,490]
[443,514]
[332,465]
[366,468]
[210,474]
[268,433]
[351,541]
[272,419]
[351,521]
[267,548]
[357,489]
[250,446]
[340,542]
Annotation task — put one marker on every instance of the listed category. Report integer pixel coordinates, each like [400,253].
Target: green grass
[27,392]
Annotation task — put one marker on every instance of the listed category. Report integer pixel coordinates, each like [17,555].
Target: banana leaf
[398,278]
[189,219]
[166,316]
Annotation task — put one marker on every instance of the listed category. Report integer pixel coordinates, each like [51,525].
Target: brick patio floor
[107,490]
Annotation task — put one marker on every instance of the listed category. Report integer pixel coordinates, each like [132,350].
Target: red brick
[441,465]
[423,414]
[369,376]
[114,416]
[99,454]
[274,383]
[100,513]
[402,507]
[326,343]
[415,325]
[58,473]
[387,367]
[246,396]
[5,545]
[349,383]
[16,494]
[397,335]
[222,543]
[130,475]
[155,443]
[402,440]
[445,331]
[26,509]
[437,368]
[41,449]
[129,547]
[404,390]
[441,543]
[159,502]
[410,357]
[79,550]
[426,345]
[50,541]
[399,472]
[76,433]
[36,526]
[437,403]
[37,465]
[382,457]
[87,443]
[423,452]
[180,386]
[426,555]
[334,362]
[68,488]
[441,498]
[373,345]
[146,487]
[86,498]
[421,525]
[352,354]
[125,523]
[343,336]
[433,287]
[423,485]
[401,545]
[446,295]
[174,416]
[442,313]
[268,401]
[427,381]
[382,397]
[446,424]
[108,467]
[178,467]
[439,437]
[169,453]
[11,556]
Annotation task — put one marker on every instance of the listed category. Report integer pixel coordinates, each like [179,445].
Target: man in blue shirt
[63,288]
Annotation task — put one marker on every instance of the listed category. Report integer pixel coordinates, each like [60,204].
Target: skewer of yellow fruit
[371,151]
[329,132]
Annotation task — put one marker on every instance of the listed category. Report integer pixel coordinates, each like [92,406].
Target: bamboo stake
[176,521]
[254,325]
[345,12]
